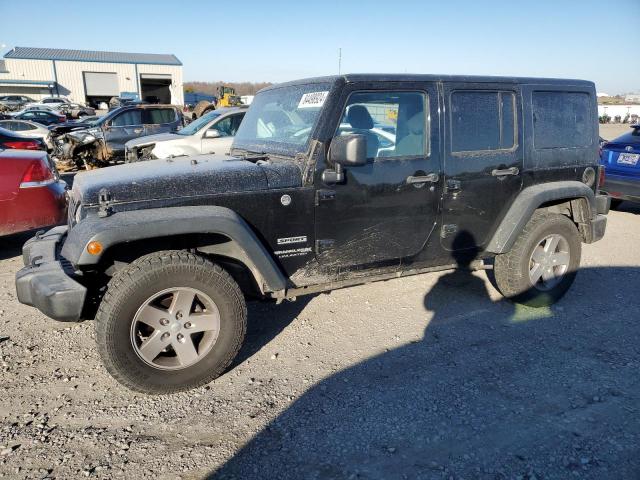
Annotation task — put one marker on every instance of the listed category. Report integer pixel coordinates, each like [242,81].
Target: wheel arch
[213,231]
[571,198]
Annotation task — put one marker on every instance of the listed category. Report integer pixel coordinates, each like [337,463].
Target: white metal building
[90,76]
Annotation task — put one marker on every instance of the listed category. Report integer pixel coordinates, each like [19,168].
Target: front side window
[394,123]
[228,126]
[482,121]
[128,118]
[281,120]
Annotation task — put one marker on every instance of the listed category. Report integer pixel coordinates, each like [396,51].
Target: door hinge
[448,230]
[325,196]
[324,245]
[104,202]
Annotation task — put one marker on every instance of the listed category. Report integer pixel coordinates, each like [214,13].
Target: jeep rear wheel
[543,262]
[170,321]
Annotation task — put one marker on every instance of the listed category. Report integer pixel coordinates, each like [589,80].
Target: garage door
[101,84]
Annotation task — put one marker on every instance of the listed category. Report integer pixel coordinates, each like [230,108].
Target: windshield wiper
[250,156]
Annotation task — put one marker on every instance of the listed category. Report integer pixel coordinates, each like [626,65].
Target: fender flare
[123,227]
[527,201]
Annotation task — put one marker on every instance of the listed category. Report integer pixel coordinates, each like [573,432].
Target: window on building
[562,120]
[482,121]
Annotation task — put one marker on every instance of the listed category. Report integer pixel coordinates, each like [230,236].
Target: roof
[91,56]
[407,77]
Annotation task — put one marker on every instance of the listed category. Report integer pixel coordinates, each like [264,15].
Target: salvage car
[211,133]
[103,142]
[15,141]
[621,160]
[76,110]
[24,128]
[43,117]
[165,253]
[15,102]
[31,192]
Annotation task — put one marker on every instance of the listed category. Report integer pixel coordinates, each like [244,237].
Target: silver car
[211,133]
[27,129]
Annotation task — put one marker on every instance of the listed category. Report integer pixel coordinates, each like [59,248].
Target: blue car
[621,161]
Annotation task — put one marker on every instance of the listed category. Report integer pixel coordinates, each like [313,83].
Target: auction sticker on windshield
[313,99]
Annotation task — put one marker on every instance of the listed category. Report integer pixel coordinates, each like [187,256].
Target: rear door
[159,120]
[483,161]
[122,128]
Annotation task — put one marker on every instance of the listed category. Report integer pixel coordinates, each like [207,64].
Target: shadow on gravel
[11,245]
[493,390]
[629,207]
[265,321]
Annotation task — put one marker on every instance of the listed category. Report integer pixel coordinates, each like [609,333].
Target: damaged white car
[211,133]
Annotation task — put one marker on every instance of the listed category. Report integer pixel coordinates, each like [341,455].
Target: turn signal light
[94,248]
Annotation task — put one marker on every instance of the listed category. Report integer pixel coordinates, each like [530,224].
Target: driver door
[122,128]
[386,210]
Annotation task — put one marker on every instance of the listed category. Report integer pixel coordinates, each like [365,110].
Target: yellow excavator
[227,97]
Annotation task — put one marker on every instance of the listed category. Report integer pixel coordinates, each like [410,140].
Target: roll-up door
[99,84]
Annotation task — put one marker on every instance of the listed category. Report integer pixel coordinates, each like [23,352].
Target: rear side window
[159,115]
[562,120]
[482,121]
[130,117]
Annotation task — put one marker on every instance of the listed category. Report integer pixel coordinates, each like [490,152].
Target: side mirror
[212,133]
[348,150]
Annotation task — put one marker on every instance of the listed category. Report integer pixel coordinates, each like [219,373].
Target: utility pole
[339,60]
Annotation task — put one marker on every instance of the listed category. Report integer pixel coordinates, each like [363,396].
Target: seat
[360,120]
[412,144]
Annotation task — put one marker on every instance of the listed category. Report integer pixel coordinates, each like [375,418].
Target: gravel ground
[433,376]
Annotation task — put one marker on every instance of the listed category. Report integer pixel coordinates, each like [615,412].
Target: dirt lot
[426,377]
[610,131]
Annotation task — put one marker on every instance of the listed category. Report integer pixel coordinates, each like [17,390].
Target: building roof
[91,56]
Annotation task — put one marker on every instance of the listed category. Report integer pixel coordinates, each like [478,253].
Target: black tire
[200,108]
[511,269]
[130,288]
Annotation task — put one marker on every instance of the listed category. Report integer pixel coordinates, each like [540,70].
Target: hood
[182,177]
[146,140]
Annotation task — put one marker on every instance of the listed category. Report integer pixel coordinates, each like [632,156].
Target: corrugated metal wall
[25,70]
[71,79]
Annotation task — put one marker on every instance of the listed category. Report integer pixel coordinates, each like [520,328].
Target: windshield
[281,120]
[198,124]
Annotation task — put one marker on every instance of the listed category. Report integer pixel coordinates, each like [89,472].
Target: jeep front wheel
[542,264]
[170,321]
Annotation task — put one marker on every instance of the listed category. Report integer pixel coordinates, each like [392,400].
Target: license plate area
[628,159]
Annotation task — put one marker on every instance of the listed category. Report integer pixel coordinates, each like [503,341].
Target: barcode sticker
[313,99]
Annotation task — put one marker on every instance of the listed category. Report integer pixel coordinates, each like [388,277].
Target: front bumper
[45,281]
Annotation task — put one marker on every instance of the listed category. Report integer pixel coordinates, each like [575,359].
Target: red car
[31,192]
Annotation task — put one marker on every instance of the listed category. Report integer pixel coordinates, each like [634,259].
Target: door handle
[430,178]
[137,130]
[505,172]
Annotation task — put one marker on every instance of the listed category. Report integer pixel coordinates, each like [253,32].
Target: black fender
[528,201]
[123,227]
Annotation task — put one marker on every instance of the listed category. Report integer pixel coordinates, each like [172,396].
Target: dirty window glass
[482,121]
[561,120]
[229,126]
[394,123]
[159,116]
[281,120]
[130,117]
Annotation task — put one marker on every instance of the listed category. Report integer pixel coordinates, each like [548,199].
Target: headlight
[88,139]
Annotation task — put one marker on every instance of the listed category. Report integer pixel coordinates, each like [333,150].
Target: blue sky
[279,40]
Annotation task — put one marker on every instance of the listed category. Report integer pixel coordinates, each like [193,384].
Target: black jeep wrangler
[331,182]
